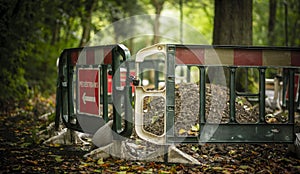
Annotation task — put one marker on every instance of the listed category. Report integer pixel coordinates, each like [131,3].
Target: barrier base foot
[136,152]
[177,156]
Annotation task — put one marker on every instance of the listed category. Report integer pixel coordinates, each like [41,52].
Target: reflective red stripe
[74,57]
[248,57]
[295,56]
[107,56]
[189,56]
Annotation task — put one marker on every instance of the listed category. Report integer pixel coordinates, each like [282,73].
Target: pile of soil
[187,108]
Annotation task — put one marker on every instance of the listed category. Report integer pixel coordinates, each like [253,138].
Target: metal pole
[232,94]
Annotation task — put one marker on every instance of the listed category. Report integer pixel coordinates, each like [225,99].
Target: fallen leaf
[154,119]
[195,128]
[58,158]
[181,131]
[83,164]
[100,161]
[232,152]
[54,145]
[192,133]
[194,148]
[122,172]
[97,171]
[32,162]
[245,167]
[226,172]
[254,152]
[123,167]
[105,165]
[138,168]
[217,168]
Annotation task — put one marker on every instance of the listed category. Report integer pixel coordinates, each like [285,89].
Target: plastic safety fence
[234,59]
[92,85]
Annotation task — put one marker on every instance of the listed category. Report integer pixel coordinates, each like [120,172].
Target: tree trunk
[233,22]
[272,21]
[158,5]
[86,21]
[55,32]
[295,6]
[232,26]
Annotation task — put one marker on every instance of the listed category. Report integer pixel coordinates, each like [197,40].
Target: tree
[272,21]
[86,19]
[158,6]
[232,26]
[32,35]
[233,22]
[276,23]
[15,37]
[293,17]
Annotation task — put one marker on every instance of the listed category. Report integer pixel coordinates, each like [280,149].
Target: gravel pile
[187,108]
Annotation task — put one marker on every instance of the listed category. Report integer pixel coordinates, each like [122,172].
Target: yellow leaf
[194,148]
[97,171]
[154,119]
[232,152]
[83,164]
[217,168]
[181,131]
[195,128]
[100,161]
[124,168]
[55,145]
[123,172]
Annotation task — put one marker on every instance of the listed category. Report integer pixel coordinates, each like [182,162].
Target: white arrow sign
[87,98]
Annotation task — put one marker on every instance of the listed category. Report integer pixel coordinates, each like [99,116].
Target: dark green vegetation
[33,33]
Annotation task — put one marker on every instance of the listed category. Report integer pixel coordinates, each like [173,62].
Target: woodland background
[33,33]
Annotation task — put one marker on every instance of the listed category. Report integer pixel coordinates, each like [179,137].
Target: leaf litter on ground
[20,154]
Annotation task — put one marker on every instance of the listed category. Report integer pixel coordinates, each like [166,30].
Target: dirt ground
[22,151]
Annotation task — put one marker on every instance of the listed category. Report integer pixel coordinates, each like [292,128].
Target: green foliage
[260,23]
[13,44]
[204,11]
[33,33]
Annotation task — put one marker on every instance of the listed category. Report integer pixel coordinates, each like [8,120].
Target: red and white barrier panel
[91,55]
[237,56]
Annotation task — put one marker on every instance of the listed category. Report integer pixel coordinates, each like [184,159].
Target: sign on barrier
[88,92]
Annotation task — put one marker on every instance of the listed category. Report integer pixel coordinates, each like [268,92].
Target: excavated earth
[187,108]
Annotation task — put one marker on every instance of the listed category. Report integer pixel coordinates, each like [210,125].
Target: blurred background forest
[33,33]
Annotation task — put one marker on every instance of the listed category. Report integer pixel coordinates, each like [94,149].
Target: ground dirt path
[21,151]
